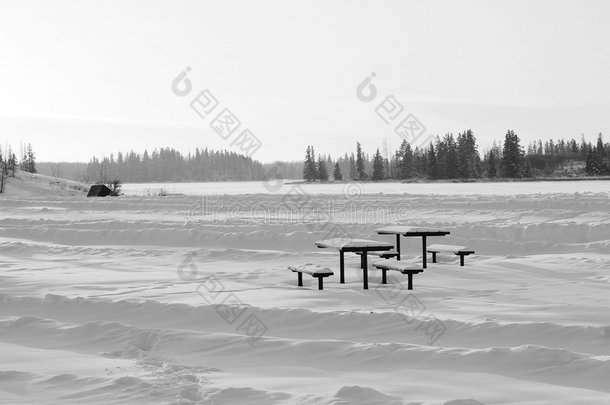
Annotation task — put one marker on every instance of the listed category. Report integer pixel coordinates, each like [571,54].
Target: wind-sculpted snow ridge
[489,239]
[294,323]
[143,300]
[117,340]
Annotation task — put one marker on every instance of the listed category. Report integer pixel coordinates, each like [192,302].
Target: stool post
[365,271]
[383,276]
[320,286]
[461,260]
[398,246]
[410,280]
[341,268]
[300,279]
[423,249]
[433,257]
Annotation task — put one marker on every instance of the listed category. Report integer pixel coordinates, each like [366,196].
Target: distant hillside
[32,185]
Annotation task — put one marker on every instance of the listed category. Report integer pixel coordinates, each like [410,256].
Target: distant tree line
[458,157]
[447,157]
[169,165]
[9,161]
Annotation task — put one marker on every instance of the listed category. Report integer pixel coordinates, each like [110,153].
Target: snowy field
[180,299]
[273,187]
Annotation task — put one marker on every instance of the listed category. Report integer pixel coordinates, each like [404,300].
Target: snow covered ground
[180,299]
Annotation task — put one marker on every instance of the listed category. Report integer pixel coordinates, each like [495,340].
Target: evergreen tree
[309,165]
[28,159]
[512,156]
[451,157]
[337,173]
[377,166]
[146,165]
[492,164]
[447,158]
[360,168]
[432,166]
[353,175]
[600,151]
[322,171]
[386,168]
[404,161]
[467,155]
[592,163]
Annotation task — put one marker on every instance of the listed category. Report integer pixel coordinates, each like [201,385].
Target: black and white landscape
[232,136]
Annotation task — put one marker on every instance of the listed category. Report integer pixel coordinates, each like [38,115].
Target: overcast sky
[83,78]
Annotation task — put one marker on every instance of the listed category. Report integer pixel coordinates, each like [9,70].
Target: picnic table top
[411,231]
[353,244]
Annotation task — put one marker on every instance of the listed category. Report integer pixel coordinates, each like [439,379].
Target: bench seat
[314,270]
[460,251]
[395,265]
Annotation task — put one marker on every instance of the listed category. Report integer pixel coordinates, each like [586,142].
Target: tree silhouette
[337,173]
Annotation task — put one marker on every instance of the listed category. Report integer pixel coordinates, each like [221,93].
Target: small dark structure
[99,190]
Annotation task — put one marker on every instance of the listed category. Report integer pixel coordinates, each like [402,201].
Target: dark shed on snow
[99,190]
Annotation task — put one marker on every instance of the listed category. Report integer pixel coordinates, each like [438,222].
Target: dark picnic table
[412,231]
[354,245]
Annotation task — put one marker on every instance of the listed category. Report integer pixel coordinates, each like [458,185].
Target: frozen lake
[449,188]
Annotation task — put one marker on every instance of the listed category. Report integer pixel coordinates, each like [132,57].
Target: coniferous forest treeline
[448,157]
[458,157]
[169,165]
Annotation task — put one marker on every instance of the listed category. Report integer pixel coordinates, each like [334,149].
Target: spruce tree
[451,162]
[406,163]
[467,155]
[592,163]
[322,172]
[432,166]
[337,173]
[353,175]
[601,156]
[492,164]
[309,165]
[360,170]
[377,166]
[512,156]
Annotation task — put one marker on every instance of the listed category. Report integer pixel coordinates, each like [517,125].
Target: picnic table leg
[365,271]
[398,246]
[341,268]
[423,250]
